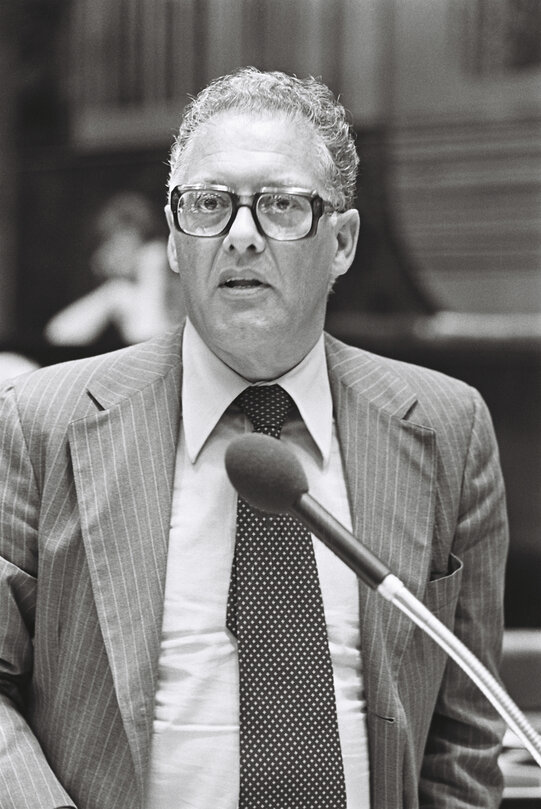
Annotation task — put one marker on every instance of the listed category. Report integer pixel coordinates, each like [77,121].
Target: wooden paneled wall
[468,196]
[465,156]
[133,62]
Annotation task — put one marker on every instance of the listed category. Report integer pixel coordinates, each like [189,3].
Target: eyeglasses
[285,214]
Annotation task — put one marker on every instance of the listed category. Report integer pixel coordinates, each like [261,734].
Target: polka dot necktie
[290,755]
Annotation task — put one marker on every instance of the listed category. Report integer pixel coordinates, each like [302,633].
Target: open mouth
[243,283]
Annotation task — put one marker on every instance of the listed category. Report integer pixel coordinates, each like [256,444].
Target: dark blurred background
[445,100]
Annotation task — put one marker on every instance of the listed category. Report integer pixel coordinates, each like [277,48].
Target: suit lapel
[123,459]
[390,472]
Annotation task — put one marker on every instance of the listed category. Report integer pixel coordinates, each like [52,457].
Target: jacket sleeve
[26,778]
[460,765]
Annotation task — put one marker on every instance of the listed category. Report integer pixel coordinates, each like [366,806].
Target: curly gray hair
[251,90]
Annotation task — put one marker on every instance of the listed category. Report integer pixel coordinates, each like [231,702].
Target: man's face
[259,304]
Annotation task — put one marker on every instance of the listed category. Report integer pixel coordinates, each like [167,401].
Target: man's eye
[204,202]
[281,203]
[209,203]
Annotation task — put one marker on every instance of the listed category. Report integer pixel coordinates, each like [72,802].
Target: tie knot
[266,406]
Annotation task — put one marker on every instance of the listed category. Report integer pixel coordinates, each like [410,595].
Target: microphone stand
[374,573]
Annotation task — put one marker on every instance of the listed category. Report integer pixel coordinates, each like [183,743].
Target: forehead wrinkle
[282,182]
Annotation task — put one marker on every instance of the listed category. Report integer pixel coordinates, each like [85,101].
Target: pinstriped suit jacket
[87,455]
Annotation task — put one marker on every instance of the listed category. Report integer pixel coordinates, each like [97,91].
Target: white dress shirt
[195,746]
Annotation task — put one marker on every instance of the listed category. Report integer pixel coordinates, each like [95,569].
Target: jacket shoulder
[63,392]
[439,398]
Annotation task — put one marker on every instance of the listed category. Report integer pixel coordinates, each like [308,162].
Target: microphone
[270,478]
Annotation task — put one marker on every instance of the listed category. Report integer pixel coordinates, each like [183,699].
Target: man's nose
[243,234]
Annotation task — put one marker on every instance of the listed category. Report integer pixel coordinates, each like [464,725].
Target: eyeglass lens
[280,215]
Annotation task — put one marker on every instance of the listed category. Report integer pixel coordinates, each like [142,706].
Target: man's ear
[347,228]
[171,246]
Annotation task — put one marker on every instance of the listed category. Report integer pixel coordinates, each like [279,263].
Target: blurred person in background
[137,295]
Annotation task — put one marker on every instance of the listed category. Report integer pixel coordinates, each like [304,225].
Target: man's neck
[266,364]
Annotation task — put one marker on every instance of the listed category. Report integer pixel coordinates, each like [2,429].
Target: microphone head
[265,472]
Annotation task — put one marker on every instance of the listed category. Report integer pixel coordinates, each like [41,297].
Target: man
[124,659]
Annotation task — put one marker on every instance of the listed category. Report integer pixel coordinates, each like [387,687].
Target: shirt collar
[209,386]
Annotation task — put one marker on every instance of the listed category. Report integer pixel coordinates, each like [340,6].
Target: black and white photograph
[270,404]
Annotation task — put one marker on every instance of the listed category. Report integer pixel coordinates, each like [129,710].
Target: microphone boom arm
[374,573]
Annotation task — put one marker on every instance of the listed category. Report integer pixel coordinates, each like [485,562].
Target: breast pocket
[441,594]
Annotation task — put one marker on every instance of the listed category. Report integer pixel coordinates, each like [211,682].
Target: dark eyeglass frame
[318,205]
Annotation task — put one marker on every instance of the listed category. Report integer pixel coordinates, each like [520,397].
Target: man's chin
[258,350]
